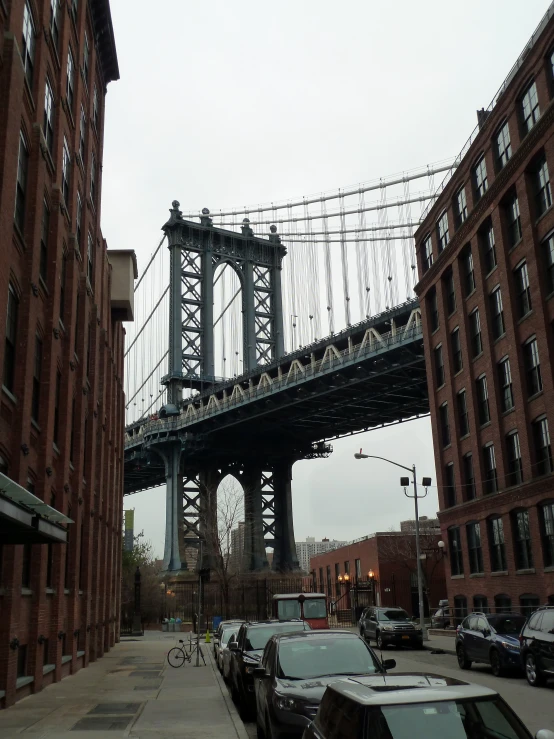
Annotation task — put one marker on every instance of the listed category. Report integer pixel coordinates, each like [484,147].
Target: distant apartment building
[309,548]
[237,548]
[424,523]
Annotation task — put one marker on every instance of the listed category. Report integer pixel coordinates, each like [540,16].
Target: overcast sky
[225,103]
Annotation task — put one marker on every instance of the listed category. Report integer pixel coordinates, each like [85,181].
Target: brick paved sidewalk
[130,692]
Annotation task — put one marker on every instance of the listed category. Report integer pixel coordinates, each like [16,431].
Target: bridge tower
[192,478]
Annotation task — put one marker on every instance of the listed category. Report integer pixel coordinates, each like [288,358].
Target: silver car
[225,654]
[223,627]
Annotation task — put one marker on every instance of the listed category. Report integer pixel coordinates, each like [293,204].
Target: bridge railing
[297,373]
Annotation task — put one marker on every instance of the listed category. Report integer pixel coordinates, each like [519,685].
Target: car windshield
[393,615]
[507,624]
[453,719]
[302,659]
[315,608]
[227,633]
[257,638]
[288,609]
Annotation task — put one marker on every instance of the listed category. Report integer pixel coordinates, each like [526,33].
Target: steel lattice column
[171,454]
[254,555]
[284,555]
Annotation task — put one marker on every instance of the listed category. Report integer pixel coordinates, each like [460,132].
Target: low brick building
[63,297]
[391,558]
[485,254]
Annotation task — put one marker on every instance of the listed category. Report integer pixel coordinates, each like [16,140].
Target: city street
[533,705]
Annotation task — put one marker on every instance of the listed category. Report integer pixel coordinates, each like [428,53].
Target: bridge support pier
[284,554]
[174,545]
[254,556]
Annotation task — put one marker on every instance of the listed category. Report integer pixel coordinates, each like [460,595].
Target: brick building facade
[486,264]
[391,557]
[62,299]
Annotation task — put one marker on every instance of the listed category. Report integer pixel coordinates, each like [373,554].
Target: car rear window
[258,636]
[318,656]
[507,624]
[392,615]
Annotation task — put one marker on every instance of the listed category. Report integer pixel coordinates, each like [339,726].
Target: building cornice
[105,39]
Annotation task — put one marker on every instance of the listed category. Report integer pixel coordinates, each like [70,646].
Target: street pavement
[131,692]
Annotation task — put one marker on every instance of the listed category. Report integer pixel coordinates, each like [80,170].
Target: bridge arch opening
[230,525]
[228,321]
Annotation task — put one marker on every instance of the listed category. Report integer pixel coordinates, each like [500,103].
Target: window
[62,286]
[347,568]
[44,231]
[541,186]
[444,425]
[78,219]
[448,281]
[21,185]
[505,381]
[530,111]
[74,5]
[480,604]
[460,207]
[523,290]
[22,660]
[469,477]
[442,232]
[48,120]
[95,108]
[475,331]
[90,259]
[57,396]
[66,167]
[513,220]
[543,451]
[546,515]
[480,178]
[483,400]
[548,258]
[72,435]
[474,548]
[468,272]
[82,135]
[427,253]
[449,486]
[93,178]
[503,146]
[328,573]
[321,586]
[455,549]
[54,28]
[28,44]
[457,361]
[439,366]
[70,80]
[358,564]
[460,608]
[45,651]
[11,332]
[86,58]
[528,604]
[463,417]
[515,464]
[433,307]
[497,545]
[491,479]
[49,564]
[486,237]
[503,603]
[497,313]
[67,559]
[522,540]
[37,368]
[532,366]
[26,566]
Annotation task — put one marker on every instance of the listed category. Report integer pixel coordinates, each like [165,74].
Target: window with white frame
[28,43]
[48,120]
[530,111]
[66,170]
[70,79]
[480,178]
[503,146]
[21,183]
[442,231]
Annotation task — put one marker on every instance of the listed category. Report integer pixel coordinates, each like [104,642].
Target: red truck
[310,607]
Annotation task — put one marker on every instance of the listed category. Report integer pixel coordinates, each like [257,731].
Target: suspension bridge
[264,333]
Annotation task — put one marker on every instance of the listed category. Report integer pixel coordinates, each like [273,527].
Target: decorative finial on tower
[245,228]
[175,212]
[205,219]
[274,236]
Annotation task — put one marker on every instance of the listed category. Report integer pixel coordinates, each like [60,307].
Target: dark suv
[389,626]
[490,638]
[245,657]
[537,646]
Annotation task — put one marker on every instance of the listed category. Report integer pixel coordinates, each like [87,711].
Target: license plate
[405,637]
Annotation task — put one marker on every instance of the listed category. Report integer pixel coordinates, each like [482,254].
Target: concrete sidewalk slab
[131,692]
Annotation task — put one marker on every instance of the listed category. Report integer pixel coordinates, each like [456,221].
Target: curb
[233,713]
[432,648]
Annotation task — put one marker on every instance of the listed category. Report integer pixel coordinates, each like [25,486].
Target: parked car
[537,646]
[223,634]
[295,670]
[389,626]
[404,705]
[490,638]
[442,616]
[245,656]
[226,655]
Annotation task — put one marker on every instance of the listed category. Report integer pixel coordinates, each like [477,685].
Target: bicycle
[177,656]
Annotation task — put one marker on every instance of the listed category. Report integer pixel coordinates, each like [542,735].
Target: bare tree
[150,593]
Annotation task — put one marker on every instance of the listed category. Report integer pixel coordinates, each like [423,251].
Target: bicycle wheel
[176,657]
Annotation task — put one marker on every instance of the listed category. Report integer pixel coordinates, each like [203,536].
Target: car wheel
[463,662]
[234,693]
[532,673]
[380,642]
[362,632]
[260,733]
[496,665]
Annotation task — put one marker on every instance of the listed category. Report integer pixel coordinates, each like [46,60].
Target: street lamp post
[404,481]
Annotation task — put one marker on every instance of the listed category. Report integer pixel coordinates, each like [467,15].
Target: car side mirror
[234,646]
[486,632]
[389,664]
[260,672]
[544,734]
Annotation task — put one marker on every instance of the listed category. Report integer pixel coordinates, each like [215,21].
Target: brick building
[63,297]
[391,556]
[486,264]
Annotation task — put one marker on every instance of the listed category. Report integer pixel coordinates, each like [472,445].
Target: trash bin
[216,621]
[164,626]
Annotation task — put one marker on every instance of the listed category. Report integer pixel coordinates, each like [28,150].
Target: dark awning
[26,519]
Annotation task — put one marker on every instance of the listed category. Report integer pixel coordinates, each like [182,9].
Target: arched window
[502,603]
[460,608]
[480,603]
[528,602]
[546,518]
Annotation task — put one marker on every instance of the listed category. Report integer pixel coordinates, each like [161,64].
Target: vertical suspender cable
[344,262]
[328,270]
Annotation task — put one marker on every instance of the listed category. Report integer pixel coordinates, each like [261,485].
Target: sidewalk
[446,643]
[131,692]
